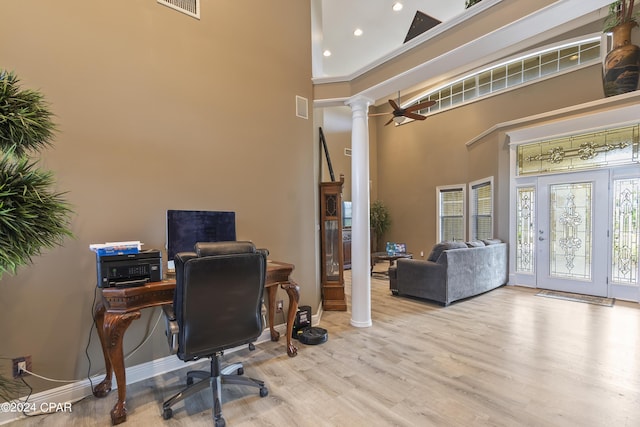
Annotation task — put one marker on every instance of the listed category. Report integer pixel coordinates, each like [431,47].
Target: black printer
[129,270]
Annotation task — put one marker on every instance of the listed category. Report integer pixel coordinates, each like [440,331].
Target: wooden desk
[120,306]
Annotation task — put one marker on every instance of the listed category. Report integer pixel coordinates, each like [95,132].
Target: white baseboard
[73,392]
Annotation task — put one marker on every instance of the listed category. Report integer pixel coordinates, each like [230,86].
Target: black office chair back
[218,300]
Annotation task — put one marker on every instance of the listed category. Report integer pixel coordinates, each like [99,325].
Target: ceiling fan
[400,113]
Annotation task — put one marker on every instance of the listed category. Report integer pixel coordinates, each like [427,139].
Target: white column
[360,234]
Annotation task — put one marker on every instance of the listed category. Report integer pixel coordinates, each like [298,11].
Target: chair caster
[220,422]
[264,392]
[167,413]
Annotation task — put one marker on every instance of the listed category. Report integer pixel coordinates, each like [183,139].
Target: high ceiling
[383,30]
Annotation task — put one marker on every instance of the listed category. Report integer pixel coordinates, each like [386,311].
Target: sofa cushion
[491,241]
[475,244]
[438,248]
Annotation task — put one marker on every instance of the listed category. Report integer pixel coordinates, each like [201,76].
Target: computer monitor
[186,228]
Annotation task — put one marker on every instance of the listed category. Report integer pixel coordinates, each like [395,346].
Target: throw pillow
[491,241]
[475,244]
[438,248]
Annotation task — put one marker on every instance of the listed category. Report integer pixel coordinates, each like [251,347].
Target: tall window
[451,220]
[481,205]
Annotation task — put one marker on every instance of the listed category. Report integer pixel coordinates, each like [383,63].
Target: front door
[572,247]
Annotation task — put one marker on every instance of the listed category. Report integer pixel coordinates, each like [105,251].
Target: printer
[129,270]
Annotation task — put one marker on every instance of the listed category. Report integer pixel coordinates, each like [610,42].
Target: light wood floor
[505,358]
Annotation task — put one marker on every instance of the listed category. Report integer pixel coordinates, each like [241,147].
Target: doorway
[578,232]
[572,233]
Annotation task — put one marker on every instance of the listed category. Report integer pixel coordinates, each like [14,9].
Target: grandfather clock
[331,245]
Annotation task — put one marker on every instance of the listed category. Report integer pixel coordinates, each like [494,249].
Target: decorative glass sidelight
[626,231]
[571,234]
[525,230]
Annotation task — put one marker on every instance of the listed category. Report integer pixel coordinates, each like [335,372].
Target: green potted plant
[380,221]
[32,215]
[620,73]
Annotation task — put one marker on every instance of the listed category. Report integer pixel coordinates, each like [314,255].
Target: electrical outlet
[421,254]
[20,364]
[279,305]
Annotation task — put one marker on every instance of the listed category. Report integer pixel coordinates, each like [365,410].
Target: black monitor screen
[186,228]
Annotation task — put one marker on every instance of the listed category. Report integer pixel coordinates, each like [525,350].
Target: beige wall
[415,158]
[158,111]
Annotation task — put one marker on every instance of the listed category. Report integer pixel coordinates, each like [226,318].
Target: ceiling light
[327,52]
[397,6]
[357,32]
[398,119]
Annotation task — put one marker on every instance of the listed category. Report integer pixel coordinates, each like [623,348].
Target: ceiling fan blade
[390,120]
[414,116]
[420,106]
[394,105]
[379,114]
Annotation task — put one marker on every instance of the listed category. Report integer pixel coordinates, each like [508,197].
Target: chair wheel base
[167,413]
[264,392]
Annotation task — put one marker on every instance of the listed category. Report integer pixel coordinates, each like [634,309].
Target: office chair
[217,305]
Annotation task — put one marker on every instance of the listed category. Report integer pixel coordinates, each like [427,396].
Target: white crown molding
[416,41]
[552,20]
[615,111]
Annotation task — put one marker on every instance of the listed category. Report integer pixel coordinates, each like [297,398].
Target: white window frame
[445,188]
[473,235]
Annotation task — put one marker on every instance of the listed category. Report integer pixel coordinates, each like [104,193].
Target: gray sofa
[453,271]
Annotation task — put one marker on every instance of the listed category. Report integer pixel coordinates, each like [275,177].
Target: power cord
[86,351]
[102,372]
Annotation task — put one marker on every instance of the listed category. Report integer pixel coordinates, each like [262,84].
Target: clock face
[331,205]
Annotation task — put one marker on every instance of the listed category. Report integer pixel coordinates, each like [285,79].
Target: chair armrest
[171,325]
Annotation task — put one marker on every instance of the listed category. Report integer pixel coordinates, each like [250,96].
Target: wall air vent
[302,107]
[347,152]
[188,7]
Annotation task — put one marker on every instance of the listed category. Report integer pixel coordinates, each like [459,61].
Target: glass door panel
[572,212]
[624,274]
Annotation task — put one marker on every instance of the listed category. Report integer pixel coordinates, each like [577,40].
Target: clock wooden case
[332,261]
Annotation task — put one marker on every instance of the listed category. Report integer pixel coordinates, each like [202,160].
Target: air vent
[302,107]
[188,7]
[347,152]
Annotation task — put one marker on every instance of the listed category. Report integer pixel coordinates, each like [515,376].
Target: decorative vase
[622,63]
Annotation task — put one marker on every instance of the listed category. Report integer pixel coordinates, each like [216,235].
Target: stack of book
[116,248]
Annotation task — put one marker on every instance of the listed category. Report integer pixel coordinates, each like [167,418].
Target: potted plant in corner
[620,73]
[380,221]
[32,216]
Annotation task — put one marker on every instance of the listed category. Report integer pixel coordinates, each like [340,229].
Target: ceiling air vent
[189,7]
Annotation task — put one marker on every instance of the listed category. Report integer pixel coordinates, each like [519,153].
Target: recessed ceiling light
[357,32]
[397,6]
[327,52]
